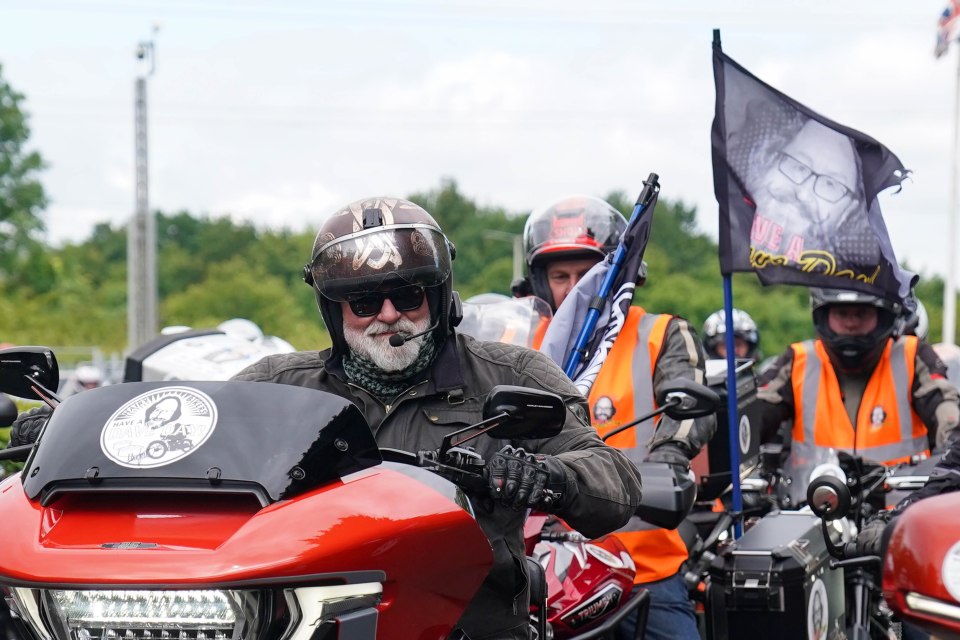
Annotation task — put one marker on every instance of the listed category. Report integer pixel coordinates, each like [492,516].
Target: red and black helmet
[569,228]
[381,242]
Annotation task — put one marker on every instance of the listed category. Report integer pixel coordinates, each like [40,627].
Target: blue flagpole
[733,421]
[650,187]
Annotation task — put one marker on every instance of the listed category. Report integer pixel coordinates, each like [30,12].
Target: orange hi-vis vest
[624,387]
[888,430]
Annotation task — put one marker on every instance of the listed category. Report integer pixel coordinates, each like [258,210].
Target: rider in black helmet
[857,387]
[381,272]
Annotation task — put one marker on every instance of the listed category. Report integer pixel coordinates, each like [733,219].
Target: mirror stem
[669,403]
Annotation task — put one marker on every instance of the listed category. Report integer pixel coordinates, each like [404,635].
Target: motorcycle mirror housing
[23,368]
[688,398]
[829,498]
[8,411]
[531,414]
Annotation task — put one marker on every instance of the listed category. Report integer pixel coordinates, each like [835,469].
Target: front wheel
[156,449]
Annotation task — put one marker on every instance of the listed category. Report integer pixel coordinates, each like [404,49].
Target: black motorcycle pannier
[715,478]
[776,582]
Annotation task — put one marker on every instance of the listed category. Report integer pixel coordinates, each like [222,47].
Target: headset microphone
[398,340]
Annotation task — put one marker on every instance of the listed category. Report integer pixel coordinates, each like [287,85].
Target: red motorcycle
[283,520]
[921,566]
[588,583]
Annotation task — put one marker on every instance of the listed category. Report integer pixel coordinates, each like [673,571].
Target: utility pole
[517,240]
[142,230]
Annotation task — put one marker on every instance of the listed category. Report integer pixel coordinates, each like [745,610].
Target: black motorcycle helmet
[382,242]
[853,353]
[569,228]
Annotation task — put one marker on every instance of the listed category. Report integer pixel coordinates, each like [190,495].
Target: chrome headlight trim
[932,606]
[312,606]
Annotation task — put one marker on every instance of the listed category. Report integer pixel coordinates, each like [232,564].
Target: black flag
[797,192]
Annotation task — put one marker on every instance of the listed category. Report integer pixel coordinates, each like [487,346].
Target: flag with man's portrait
[797,192]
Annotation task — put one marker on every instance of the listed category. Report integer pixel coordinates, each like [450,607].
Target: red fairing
[432,552]
[916,561]
[586,581]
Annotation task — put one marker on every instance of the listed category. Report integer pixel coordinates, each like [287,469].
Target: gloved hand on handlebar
[870,539]
[672,454]
[520,479]
[26,428]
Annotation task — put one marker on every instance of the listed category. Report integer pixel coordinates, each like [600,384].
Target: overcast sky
[278,112]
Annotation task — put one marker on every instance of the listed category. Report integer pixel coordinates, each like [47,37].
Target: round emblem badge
[744,433]
[159,427]
[950,571]
[818,612]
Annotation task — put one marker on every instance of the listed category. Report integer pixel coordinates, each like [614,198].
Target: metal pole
[949,286]
[517,257]
[142,231]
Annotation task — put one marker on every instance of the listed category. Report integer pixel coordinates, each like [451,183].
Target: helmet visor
[381,257]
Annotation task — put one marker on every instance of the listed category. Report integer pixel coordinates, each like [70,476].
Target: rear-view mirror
[8,411]
[688,399]
[21,368]
[531,414]
[829,498]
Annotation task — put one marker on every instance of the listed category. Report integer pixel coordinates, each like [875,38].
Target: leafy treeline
[213,269]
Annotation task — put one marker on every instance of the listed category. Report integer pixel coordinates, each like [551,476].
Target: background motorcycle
[317,534]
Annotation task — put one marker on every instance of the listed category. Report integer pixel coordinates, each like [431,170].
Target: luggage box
[712,466]
[776,582]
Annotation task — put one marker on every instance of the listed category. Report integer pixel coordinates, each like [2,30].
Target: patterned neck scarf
[387,385]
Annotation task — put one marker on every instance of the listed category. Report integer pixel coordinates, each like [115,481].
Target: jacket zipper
[388,407]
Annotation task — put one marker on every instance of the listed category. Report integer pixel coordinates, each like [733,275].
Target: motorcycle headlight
[202,614]
[136,614]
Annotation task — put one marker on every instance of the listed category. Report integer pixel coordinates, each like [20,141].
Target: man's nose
[388,312]
[804,190]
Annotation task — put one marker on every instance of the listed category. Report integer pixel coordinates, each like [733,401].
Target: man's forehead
[572,264]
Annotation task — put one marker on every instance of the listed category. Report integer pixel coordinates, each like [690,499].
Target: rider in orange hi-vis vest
[563,241]
[859,387]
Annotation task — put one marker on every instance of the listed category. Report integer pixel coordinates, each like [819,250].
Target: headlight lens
[207,614]
[138,614]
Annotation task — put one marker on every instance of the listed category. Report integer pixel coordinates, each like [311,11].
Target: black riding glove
[520,480]
[870,538]
[26,428]
[672,454]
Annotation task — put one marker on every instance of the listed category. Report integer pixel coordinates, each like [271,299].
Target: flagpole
[949,286]
[733,418]
[651,186]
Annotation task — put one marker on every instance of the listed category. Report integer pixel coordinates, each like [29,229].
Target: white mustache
[400,326]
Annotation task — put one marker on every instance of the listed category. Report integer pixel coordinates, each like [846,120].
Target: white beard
[377,349]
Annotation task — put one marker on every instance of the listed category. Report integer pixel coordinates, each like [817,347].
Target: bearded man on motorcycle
[563,240]
[857,387]
[381,272]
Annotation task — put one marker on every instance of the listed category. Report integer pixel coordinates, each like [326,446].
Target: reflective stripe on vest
[622,392]
[626,386]
[887,428]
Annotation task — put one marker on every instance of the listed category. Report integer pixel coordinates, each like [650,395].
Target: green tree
[22,197]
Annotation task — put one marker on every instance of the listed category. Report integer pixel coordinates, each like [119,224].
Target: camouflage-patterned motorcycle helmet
[381,243]
[715,332]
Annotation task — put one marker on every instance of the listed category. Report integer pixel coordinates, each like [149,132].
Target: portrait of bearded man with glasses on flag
[803,179]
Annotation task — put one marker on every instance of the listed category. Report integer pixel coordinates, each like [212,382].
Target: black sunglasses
[402,298]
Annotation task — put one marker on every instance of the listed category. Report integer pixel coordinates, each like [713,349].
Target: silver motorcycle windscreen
[272,440]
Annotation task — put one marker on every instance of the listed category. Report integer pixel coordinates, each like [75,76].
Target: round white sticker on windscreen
[159,427]
[950,571]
